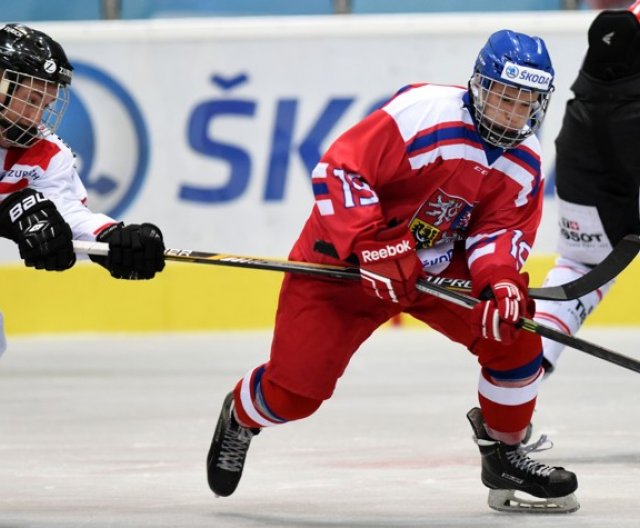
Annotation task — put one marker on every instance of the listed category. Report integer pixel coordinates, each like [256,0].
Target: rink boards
[189,297]
[225,168]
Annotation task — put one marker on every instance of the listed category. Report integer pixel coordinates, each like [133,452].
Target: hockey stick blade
[532,326]
[615,262]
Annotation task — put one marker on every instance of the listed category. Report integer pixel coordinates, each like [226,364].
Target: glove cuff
[103,236]
[488,277]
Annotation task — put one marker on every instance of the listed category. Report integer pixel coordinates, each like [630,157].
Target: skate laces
[541,444]
[528,465]
[234,447]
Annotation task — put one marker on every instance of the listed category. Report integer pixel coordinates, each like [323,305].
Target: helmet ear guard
[512,70]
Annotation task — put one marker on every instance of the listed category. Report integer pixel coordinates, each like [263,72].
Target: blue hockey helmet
[511,87]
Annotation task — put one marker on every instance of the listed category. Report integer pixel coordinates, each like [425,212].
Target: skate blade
[506,501]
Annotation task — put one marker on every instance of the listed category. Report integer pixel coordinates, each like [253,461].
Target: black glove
[43,237]
[136,251]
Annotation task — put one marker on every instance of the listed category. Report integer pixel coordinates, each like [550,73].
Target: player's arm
[496,251]
[136,251]
[346,186]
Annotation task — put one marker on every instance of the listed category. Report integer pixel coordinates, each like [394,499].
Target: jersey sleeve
[349,178]
[61,183]
[508,220]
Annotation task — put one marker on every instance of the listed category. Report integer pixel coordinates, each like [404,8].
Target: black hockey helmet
[35,75]
[25,50]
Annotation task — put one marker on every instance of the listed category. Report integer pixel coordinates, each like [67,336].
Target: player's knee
[260,402]
[519,357]
[287,404]
[519,376]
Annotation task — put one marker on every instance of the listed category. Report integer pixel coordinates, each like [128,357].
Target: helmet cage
[25,97]
[501,133]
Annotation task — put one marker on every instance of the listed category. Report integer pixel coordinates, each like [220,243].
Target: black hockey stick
[607,270]
[447,292]
[614,263]
[531,326]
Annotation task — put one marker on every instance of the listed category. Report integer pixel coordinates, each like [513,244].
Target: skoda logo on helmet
[50,66]
[511,71]
[527,76]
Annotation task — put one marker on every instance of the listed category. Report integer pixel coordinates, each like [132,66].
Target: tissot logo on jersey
[570,230]
[530,77]
[389,251]
[570,224]
[576,236]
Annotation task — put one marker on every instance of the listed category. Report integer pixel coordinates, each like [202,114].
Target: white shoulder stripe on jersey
[449,152]
[425,106]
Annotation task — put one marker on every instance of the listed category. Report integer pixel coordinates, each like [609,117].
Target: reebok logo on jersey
[386,252]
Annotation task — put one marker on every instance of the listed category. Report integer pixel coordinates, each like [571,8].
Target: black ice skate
[507,470]
[229,447]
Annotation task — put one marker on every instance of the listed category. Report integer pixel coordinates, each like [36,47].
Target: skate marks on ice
[113,432]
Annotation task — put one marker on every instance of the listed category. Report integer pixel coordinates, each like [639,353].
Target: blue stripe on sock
[519,373]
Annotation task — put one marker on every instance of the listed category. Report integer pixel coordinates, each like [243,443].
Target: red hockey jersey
[420,161]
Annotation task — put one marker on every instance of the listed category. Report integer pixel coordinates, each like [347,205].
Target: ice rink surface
[104,431]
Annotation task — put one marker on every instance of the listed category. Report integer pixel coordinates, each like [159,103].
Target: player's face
[21,112]
[509,107]
[29,101]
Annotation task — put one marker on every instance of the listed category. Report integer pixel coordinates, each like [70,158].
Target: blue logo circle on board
[105,129]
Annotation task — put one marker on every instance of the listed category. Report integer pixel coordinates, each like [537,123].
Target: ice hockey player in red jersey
[42,200]
[597,176]
[443,180]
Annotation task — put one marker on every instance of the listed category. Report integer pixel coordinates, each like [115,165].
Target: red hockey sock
[259,402]
[507,408]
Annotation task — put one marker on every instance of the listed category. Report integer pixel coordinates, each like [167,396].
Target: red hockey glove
[495,318]
[389,266]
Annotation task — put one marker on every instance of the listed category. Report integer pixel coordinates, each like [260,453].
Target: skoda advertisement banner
[211,128]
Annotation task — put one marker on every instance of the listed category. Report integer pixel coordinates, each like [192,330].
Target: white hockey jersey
[49,167]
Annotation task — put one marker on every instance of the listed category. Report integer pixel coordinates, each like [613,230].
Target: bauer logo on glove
[31,199]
